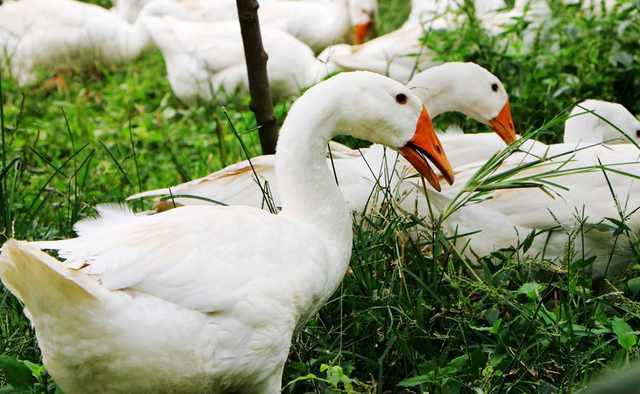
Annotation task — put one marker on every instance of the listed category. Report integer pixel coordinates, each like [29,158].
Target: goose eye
[401,98]
[494,87]
[638,133]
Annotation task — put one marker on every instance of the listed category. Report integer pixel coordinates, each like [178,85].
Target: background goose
[462,87]
[402,54]
[209,297]
[582,206]
[533,12]
[318,23]
[585,126]
[361,12]
[204,58]
[66,33]
[399,54]
[437,14]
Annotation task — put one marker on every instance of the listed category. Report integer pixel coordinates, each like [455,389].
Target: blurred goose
[208,297]
[437,14]
[399,54]
[362,13]
[37,34]
[495,19]
[402,54]
[462,87]
[599,121]
[203,59]
[317,23]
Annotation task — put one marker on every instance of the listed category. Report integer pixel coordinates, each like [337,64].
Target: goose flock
[209,296]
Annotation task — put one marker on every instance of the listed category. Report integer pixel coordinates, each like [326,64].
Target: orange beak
[361,32]
[425,143]
[503,124]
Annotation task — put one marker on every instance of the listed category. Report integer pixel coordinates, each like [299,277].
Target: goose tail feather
[41,282]
[150,193]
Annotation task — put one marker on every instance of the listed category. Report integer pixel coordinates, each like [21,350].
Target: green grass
[411,315]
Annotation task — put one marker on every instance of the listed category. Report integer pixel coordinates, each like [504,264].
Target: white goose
[361,12]
[398,55]
[209,297]
[496,20]
[438,14]
[462,87]
[203,59]
[517,212]
[584,126]
[401,54]
[38,34]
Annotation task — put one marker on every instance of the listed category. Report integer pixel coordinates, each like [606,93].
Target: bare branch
[256,58]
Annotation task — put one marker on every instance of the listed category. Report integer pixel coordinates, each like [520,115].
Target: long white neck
[342,13]
[441,95]
[136,41]
[308,190]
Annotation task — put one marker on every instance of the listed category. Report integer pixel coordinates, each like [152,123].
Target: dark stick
[256,58]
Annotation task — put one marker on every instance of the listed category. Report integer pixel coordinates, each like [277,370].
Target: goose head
[363,14]
[470,89]
[594,121]
[389,113]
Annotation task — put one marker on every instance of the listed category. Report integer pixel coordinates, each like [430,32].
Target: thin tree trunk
[256,58]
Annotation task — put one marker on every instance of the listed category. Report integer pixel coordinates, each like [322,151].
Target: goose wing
[203,258]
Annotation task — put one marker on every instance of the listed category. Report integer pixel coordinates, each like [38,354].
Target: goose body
[495,19]
[582,209]
[436,14]
[66,33]
[402,54]
[205,58]
[209,296]
[362,13]
[399,55]
[316,23]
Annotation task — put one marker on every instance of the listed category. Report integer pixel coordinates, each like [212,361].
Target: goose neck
[137,41]
[341,22]
[437,90]
[307,188]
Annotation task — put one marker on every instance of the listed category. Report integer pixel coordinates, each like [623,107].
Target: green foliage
[627,338]
[17,374]
[336,380]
